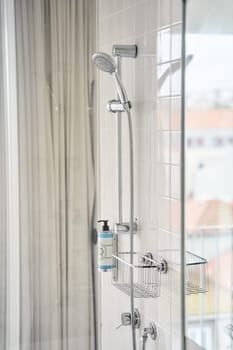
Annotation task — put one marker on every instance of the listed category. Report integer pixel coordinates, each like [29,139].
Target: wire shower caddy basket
[196,277]
[145,270]
[196,274]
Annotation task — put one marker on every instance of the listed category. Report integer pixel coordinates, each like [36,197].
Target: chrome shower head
[104,62]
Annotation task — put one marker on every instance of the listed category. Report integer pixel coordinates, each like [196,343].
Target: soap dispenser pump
[105,246]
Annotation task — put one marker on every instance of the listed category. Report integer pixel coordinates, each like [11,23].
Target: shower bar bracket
[115,106]
[124,50]
[124,227]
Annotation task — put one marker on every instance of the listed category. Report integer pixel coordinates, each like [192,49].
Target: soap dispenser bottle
[105,246]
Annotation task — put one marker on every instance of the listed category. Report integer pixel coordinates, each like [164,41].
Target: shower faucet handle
[125,319]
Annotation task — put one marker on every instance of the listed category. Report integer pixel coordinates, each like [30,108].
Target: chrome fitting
[124,50]
[161,264]
[124,227]
[116,106]
[126,319]
[151,330]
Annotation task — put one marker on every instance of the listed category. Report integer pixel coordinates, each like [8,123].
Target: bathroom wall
[153,83]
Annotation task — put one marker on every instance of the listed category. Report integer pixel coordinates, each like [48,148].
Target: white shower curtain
[54,77]
[3,194]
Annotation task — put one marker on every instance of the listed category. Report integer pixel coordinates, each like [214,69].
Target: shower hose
[131,177]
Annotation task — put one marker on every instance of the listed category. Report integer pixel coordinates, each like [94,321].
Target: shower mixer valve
[126,319]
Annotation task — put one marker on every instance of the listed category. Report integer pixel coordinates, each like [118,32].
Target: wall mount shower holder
[119,50]
[150,331]
[115,106]
[162,266]
[124,228]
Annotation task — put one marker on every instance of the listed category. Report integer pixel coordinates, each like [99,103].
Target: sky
[212,64]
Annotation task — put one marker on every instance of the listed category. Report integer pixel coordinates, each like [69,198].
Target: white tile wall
[155,26]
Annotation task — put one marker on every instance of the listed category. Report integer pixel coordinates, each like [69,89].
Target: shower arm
[110,105]
[118,49]
[116,106]
[119,149]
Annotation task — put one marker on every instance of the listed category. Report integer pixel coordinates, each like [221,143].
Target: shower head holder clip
[116,106]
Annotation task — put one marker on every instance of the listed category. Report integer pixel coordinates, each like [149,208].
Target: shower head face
[104,62]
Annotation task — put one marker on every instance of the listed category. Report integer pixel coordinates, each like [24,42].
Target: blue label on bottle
[104,267]
[105,234]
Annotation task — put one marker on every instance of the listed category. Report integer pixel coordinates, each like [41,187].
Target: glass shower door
[209,169]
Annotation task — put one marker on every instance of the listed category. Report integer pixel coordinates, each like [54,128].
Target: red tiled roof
[208,213]
[209,118]
[219,270]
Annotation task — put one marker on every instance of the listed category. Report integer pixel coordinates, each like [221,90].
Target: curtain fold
[56,173]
